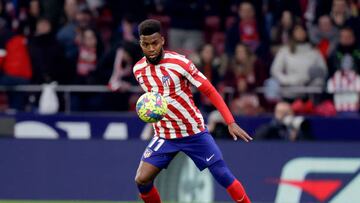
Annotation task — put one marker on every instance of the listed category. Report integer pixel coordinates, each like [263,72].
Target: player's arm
[206,88]
[209,90]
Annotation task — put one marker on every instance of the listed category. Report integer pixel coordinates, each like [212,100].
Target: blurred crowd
[252,51]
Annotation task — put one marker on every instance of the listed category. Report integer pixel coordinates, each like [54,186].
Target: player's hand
[236,131]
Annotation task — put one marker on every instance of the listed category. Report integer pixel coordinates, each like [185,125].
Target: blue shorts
[201,148]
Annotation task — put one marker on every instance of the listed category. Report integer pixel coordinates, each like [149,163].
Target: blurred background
[288,70]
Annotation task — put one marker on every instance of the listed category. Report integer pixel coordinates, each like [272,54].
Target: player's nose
[151,48]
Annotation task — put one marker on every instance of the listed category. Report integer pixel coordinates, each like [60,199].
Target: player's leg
[224,177]
[205,153]
[144,179]
[157,155]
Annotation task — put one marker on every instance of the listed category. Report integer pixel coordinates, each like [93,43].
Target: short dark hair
[149,27]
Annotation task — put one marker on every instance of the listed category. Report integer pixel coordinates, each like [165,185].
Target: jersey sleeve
[209,90]
[193,74]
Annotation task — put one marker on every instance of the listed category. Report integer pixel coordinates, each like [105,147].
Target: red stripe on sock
[237,192]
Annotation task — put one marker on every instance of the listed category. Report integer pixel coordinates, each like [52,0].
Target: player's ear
[162,40]
[140,42]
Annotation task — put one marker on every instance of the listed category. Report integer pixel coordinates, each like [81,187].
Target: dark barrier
[68,169]
[98,169]
[296,172]
[129,126]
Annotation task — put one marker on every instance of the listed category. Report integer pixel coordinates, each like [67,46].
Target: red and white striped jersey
[172,78]
[346,87]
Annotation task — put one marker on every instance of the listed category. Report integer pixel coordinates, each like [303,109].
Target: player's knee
[142,179]
[221,173]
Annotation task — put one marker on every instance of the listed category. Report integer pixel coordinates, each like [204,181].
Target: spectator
[284,126]
[244,74]
[127,31]
[186,24]
[281,33]
[47,56]
[79,18]
[15,65]
[90,50]
[94,5]
[340,12]
[8,13]
[34,15]
[115,69]
[298,64]
[245,67]
[66,35]
[246,30]
[121,60]
[105,26]
[217,126]
[89,53]
[345,85]
[209,64]
[346,47]
[156,10]
[324,36]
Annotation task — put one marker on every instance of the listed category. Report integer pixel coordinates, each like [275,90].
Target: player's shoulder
[140,64]
[177,59]
[172,55]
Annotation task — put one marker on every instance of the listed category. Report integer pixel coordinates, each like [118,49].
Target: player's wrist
[230,122]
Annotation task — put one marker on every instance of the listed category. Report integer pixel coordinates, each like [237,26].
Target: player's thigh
[146,173]
[203,150]
[157,155]
[160,152]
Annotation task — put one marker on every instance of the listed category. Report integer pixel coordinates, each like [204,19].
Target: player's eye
[144,44]
[154,43]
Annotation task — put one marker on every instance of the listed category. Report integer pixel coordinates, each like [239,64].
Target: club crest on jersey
[140,80]
[166,80]
[147,153]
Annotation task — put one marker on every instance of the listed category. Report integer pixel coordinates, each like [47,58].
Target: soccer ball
[151,107]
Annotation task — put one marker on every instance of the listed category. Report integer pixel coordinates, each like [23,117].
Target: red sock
[237,192]
[151,197]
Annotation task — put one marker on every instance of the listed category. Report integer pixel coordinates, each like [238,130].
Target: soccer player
[182,128]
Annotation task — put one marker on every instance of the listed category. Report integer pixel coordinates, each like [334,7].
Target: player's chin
[152,56]
[153,59]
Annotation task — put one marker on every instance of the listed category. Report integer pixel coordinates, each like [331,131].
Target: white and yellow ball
[151,107]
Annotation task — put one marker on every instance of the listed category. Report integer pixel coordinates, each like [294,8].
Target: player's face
[152,47]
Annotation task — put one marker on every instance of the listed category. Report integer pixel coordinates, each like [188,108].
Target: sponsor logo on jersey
[193,69]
